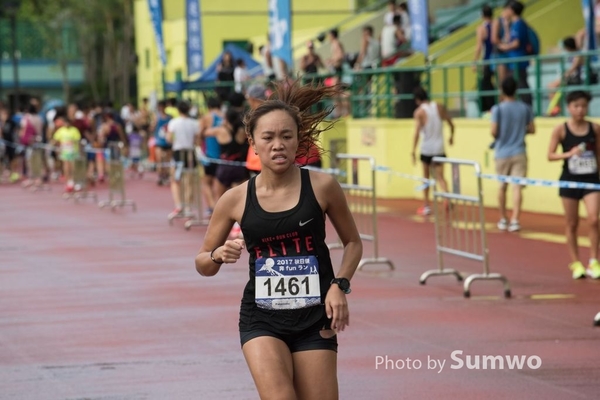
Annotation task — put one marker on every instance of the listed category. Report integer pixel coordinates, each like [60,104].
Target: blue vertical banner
[156,15]
[419,25]
[590,25]
[195,57]
[280,30]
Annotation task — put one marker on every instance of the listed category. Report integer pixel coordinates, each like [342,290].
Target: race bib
[584,164]
[287,283]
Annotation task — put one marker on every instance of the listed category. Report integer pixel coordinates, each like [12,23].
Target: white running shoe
[503,224]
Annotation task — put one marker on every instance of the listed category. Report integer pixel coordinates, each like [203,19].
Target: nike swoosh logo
[305,222]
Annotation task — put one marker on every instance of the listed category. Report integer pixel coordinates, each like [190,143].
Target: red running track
[103,305]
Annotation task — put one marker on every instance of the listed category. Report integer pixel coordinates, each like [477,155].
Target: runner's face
[578,109]
[275,139]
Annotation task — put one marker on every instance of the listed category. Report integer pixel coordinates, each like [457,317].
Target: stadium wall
[390,142]
[230,20]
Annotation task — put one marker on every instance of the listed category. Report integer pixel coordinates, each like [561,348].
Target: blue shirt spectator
[512,117]
[519,31]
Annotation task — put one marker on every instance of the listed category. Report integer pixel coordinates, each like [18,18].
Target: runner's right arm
[223,251]
[446,117]
[419,123]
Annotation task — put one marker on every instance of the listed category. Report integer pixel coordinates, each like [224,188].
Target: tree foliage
[105,39]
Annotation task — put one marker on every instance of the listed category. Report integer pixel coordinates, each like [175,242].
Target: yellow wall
[218,26]
[389,141]
[334,141]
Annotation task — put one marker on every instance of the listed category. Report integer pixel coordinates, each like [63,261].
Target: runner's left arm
[336,207]
[596,128]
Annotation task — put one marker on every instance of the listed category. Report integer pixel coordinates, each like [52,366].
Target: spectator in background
[240,75]
[256,95]
[336,60]
[162,147]
[429,117]
[212,150]
[582,36]
[116,116]
[388,17]
[511,121]
[370,50]
[311,62]
[182,133]
[225,78]
[127,112]
[10,132]
[572,76]
[392,39]
[484,44]
[67,137]
[517,46]
[267,60]
[111,135]
[232,139]
[171,109]
[143,121]
[500,36]
[405,19]
[79,121]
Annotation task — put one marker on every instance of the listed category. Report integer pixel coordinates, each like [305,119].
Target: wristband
[213,258]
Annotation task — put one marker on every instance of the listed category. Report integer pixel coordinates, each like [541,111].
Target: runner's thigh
[270,363]
[315,374]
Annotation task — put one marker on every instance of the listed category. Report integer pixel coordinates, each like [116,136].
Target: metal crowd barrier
[186,173]
[36,168]
[116,180]
[362,202]
[460,227]
[80,178]
[199,219]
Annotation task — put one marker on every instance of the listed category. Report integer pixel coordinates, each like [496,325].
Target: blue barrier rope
[541,182]
[425,183]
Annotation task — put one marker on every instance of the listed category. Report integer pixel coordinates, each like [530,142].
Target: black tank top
[290,267]
[113,134]
[233,151]
[584,167]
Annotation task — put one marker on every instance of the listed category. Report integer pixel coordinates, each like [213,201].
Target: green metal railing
[380,93]
[387,92]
